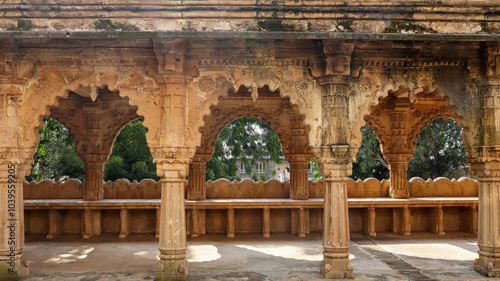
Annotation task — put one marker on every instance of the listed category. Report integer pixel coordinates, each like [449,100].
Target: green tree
[56,157]
[315,168]
[370,162]
[131,157]
[439,150]
[247,139]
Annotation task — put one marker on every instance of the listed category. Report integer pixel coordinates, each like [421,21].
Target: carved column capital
[172,162]
[491,59]
[337,57]
[171,55]
[335,161]
[94,158]
[485,162]
[399,157]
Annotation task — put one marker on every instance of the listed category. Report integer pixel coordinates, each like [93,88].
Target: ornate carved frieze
[452,78]
[294,83]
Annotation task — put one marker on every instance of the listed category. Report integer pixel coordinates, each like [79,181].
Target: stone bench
[401,212]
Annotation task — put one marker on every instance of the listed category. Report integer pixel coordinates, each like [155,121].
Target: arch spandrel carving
[292,82]
[144,92]
[94,125]
[52,84]
[451,80]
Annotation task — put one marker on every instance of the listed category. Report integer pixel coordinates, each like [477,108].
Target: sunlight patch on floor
[74,255]
[202,253]
[291,252]
[431,251]
[148,254]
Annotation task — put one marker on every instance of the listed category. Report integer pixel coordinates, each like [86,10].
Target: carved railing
[248,206]
[224,189]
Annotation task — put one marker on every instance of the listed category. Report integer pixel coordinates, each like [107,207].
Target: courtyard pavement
[249,257]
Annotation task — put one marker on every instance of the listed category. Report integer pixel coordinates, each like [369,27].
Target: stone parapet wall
[443,187]
[49,189]
[124,189]
[456,217]
[73,189]
[224,189]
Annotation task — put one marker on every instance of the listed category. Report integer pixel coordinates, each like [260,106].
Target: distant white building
[266,167]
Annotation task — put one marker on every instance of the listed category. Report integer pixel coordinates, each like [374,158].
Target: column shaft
[173,263]
[196,181]
[336,237]
[12,264]
[298,180]
[94,176]
[488,262]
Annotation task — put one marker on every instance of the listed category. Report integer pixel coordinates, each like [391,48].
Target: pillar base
[196,195]
[172,270]
[13,269]
[488,264]
[93,197]
[399,193]
[336,267]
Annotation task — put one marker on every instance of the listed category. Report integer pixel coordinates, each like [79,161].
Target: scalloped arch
[381,85]
[53,84]
[276,126]
[285,83]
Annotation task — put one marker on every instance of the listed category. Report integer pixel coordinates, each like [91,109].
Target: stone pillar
[12,264]
[299,179]
[398,169]
[488,241]
[485,164]
[196,189]
[335,158]
[173,263]
[94,176]
[171,156]
[397,152]
[335,171]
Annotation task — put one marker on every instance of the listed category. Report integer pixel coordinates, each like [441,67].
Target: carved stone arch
[292,82]
[144,92]
[245,111]
[451,82]
[425,119]
[110,111]
[117,132]
[54,83]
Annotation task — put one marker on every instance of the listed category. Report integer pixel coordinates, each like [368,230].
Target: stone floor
[249,257]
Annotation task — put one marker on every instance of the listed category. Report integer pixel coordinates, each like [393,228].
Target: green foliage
[439,150]
[247,139]
[131,158]
[370,162]
[56,157]
[315,168]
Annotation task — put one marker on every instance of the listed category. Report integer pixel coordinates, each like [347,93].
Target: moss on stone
[275,25]
[485,28]
[397,27]
[108,25]
[346,25]
[23,24]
